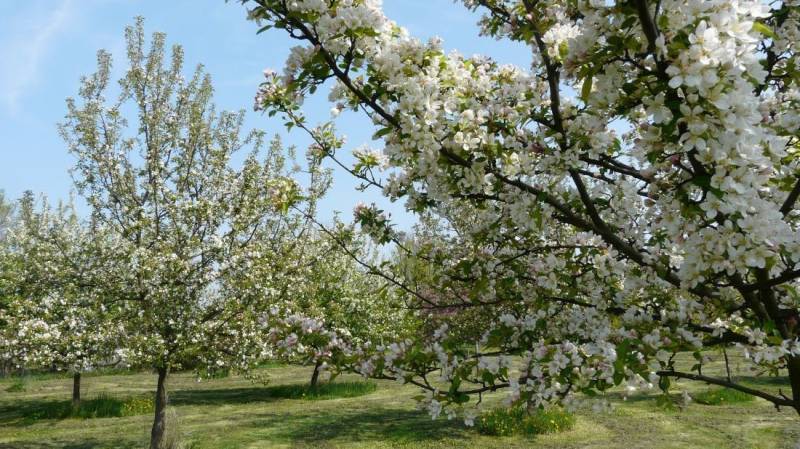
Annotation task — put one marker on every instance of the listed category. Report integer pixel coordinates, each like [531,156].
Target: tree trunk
[160,419]
[793,364]
[315,375]
[76,390]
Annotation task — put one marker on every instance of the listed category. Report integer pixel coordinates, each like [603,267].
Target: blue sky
[47,45]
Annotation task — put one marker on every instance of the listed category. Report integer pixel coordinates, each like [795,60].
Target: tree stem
[315,375]
[160,419]
[76,390]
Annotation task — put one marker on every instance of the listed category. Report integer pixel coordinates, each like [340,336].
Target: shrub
[517,420]
[720,396]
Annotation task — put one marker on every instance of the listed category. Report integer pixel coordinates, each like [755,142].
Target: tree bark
[76,390]
[315,375]
[793,364]
[160,419]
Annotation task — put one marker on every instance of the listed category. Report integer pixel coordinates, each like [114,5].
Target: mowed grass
[233,412]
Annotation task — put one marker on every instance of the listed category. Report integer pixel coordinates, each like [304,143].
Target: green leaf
[461,398]
[763,29]
[627,23]
[616,41]
[589,392]
[586,89]
[702,181]
[382,132]
[664,383]
[563,50]
[770,328]
[456,383]
[663,21]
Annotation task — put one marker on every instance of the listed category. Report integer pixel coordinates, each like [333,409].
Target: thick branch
[777,400]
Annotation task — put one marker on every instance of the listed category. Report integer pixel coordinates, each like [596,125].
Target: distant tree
[6,265]
[59,314]
[6,214]
[163,182]
[7,217]
[347,297]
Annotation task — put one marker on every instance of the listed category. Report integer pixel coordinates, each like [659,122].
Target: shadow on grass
[751,381]
[381,424]
[56,444]
[24,413]
[271,393]
[766,381]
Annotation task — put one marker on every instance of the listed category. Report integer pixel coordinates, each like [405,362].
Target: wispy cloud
[23,50]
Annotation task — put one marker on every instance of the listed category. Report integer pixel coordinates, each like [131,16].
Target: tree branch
[777,400]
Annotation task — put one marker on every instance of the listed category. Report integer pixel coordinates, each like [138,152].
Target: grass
[720,396]
[16,386]
[323,391]
[221,396]
[102,406]
[233,413]
[518,421]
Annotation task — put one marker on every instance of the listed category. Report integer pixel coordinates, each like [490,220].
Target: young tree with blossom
[634,190]
[7,218]
[322,298]
[60,313]
[6,215]
[6,221]
[346,297]
[164,182]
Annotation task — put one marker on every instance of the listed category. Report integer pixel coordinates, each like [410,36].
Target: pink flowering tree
[632,193]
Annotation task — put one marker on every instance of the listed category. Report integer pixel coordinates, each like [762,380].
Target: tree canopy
[633,192]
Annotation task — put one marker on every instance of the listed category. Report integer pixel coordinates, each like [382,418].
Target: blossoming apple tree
[345,297]
[61,313]
[186,214]
[7,217]
[324,298]
[634,190]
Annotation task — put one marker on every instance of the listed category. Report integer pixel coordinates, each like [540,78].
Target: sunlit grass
[720,396]
[323,391]
[518,421]
[236,412]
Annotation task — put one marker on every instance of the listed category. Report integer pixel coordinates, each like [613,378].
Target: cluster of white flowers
[633,191]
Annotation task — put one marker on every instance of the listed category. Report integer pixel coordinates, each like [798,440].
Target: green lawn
[236,413]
